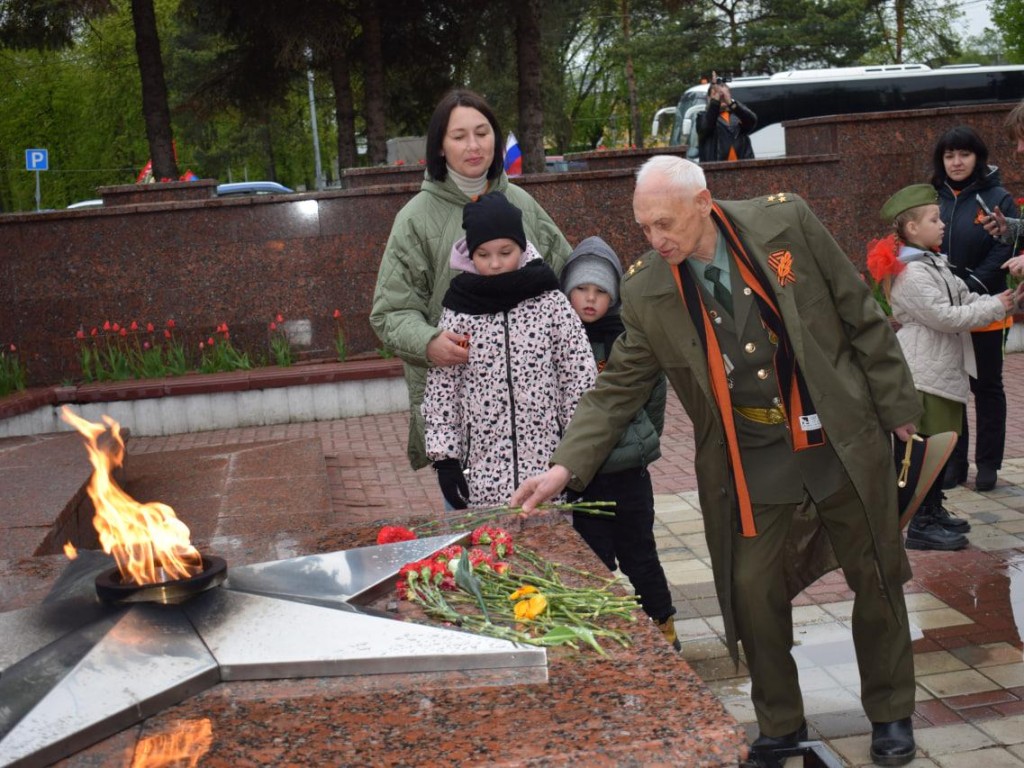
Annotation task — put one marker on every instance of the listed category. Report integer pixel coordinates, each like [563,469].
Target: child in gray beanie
[591,281]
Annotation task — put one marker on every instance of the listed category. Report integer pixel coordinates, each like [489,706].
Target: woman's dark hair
[961,137]
[438,126]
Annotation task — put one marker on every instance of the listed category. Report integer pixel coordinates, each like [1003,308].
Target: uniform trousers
[764,616]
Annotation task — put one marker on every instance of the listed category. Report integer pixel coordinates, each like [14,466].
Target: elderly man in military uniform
[793,380]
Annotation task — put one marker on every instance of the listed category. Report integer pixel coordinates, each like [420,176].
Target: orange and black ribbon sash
[792,387]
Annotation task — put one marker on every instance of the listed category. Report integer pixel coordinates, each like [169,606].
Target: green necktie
[721,293]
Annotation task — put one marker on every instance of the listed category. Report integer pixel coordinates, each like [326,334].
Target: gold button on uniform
[762,373]
[749,347]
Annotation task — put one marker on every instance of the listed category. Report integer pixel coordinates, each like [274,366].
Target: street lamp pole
[316,133]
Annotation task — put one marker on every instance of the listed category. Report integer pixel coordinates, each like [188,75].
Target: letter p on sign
[36,160]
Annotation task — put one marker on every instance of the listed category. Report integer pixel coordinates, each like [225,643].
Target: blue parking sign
[36,160]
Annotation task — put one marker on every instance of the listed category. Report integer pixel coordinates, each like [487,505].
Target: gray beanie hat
[594,270]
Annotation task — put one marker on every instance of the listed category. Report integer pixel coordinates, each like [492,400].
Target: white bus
[843,90]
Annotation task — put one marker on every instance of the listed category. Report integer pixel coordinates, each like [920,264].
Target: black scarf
[471,294]
[604,332]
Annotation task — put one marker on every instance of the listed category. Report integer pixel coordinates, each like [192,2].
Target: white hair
[684,175]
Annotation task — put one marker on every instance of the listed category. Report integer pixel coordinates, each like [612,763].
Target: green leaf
[466,579]
[565,635]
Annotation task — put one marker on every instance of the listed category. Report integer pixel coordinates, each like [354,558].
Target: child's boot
[925,532]
[668,629]
[949,521]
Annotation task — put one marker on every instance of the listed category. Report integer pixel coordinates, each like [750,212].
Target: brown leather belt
[774,415]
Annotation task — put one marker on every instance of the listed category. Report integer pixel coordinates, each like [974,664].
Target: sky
[977,15]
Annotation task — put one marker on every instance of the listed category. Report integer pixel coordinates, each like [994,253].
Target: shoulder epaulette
[637,266]
[778,197]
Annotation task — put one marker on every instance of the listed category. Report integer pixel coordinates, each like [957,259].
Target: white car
[252,188]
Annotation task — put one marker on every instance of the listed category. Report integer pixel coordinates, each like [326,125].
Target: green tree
[55,24]
[1008,17]
[916,31]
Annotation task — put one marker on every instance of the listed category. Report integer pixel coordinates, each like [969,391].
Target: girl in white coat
[936,311]
[501,414]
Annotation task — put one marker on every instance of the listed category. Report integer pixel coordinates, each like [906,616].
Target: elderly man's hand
[539,488]
[995,224]
[1016,266]
[448,348]
[904,432]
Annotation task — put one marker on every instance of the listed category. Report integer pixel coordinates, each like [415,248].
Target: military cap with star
[909,197]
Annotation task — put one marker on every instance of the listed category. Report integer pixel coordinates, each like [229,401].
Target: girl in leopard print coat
[501,415]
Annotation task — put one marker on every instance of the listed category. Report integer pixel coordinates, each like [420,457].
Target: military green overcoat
[855,371]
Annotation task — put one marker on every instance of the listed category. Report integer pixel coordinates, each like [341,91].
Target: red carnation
[390,534]
[883,258]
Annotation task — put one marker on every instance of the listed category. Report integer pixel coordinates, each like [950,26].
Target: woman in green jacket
[463,163]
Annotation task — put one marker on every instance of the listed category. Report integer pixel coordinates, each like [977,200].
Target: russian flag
[513,156]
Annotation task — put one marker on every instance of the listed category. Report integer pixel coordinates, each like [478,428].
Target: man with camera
[724,128]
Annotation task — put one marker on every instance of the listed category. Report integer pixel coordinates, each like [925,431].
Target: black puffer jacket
[974,255]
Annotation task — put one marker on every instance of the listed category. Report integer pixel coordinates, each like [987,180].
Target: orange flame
[184,746]
[148,541]
[69,551]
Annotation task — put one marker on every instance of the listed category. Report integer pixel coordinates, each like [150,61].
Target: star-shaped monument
[74,670]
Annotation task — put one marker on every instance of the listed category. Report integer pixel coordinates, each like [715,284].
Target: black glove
[452,482]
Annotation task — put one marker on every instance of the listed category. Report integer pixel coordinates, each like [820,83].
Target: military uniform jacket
[857,377]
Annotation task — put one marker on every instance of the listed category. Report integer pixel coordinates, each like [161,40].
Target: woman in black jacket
[967,184]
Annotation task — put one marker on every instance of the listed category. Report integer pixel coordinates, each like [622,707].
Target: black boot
[949,521]
[893,743]
[763,749]
[925,532]
[985,479]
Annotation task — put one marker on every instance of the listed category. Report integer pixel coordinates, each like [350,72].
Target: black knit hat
[490,218]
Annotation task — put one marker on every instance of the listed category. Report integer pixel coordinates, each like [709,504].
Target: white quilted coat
[937,311]
[503,413]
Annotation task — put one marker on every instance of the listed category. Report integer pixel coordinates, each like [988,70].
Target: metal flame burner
[111,589]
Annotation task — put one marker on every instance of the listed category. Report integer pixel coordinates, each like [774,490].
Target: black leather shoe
[985,480]
[893,743]
[770,743]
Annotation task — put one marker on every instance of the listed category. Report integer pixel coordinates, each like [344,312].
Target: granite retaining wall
[149,255]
